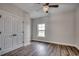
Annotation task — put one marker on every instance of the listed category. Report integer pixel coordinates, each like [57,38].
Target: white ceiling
[35,10]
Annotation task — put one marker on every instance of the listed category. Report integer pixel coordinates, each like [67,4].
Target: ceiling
[35,10]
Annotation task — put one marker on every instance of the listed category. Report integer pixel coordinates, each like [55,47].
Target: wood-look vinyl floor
[44,49]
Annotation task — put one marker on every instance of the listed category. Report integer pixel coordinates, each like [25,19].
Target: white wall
[59,28]
[34,27]
[77,28]
[11,9]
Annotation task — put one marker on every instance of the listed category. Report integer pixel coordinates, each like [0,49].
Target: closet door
[14,31]
[20,31]
[17,28]
[11,32]
[8,32]
[1,32]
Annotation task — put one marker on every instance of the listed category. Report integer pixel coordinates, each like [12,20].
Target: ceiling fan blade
[46,4]
[54,6]
[38,3]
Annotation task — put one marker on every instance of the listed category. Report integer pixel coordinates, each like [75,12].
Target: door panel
[14,31]
[17,31]
[8,32]
[20,31]
[11,28]
[1,32]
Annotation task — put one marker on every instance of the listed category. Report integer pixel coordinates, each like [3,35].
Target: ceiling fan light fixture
[45,8]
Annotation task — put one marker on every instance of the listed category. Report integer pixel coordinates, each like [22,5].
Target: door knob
[14,35]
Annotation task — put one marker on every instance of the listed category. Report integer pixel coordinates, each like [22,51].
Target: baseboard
[13,48]
[27,44]
[59,43]
[10,49]
[76,47]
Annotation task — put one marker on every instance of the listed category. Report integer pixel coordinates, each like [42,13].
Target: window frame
[41,30]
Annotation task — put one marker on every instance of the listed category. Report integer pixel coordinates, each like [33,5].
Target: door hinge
[0,48]
[23,41]
[0,16]
[23,22]
[23,31]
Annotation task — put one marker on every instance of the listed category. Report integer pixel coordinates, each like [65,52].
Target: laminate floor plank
[70,51]
[50,48]
[58,50]
[64,51]
[75,51]
[53,53]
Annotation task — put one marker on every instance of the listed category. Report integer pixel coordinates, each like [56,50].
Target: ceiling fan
[46,6]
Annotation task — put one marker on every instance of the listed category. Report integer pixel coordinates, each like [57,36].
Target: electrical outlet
[0,48]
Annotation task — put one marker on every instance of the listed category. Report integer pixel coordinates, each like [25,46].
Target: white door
[14,31]
[7,33]
[1,32]
[17,30]
[11,32]
[20,30]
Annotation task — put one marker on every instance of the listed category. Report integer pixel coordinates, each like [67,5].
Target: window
[41,30]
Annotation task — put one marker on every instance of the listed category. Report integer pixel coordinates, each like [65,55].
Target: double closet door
[11,32]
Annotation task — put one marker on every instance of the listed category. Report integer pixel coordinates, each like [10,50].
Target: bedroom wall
[59,28]
[62,28]
[11,9]
[77,28]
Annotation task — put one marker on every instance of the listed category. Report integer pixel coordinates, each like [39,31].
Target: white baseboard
[77,47]
[10,49]
[60,43]
[13,48]
[27,43]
